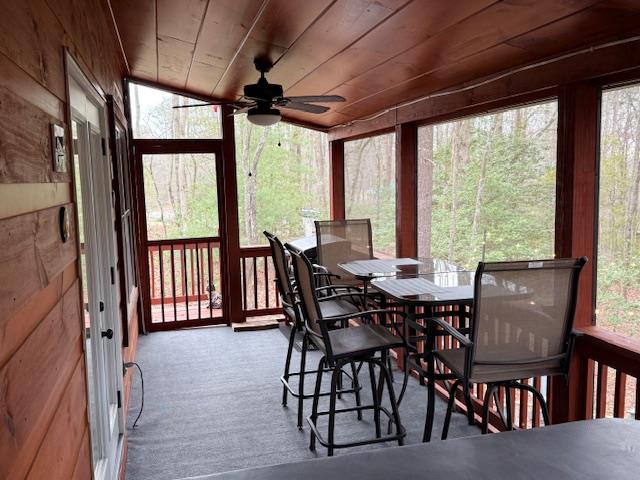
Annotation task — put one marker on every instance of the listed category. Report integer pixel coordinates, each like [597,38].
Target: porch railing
[259,293]
[612,369]
[184,280]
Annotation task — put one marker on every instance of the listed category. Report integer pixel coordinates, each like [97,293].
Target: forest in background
[486,186]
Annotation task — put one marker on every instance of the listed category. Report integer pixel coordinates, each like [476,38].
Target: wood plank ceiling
[375,53]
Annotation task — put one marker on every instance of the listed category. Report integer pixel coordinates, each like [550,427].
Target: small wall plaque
[58,148]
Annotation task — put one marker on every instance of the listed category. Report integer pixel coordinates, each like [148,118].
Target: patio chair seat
[454,359]
[334,308]
[363,340]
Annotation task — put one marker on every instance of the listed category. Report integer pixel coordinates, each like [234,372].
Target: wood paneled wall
[43,404]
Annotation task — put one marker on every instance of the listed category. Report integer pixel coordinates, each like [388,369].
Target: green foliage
[516,212]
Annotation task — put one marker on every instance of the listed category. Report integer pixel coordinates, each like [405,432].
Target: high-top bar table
[428,292]
[590,450]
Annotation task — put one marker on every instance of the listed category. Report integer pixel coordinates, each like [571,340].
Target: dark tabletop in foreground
[597,449]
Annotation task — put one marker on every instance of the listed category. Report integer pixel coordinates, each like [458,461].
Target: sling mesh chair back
[344,346]
[283,278]
[522,323]
[340,241]
[286,290]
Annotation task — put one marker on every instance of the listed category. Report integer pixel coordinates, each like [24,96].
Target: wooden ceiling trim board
[181,19]
[495,25]
[241,45]
[408,27]
[178,27]
[173,60]
[595,24]
[281,24]
[343,24]
[224,27]
[193,55]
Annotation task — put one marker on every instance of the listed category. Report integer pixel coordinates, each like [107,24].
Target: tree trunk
[425,191]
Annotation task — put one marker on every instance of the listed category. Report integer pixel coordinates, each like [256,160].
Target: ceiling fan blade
[316,98]
[206,104]
[305,107]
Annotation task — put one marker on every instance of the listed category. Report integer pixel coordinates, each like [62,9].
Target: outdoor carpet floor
[213,404]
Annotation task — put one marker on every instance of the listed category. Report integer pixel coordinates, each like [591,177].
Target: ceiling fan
[260,99]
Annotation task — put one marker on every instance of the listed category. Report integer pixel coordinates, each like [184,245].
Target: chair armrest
[325,274]
[333,287]
[464,341]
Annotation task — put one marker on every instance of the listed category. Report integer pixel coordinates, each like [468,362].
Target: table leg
[411,314]
[431,384]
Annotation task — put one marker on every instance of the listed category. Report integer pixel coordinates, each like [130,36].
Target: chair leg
[485,408]
[392,400]
[332,407]
[303,361]
[374,394]
[287,363]
[450,404]
[467,397]
[355,384]
[390,367]
[316,400]
[340,386]
[431,398]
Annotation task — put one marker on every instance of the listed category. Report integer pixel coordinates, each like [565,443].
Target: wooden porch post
[231,233]
[336,179]
[406,190]
[576,229]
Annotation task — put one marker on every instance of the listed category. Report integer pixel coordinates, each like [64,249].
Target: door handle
[108,334]
[101,306]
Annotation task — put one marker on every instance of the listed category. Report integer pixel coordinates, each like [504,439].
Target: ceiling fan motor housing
[263,90]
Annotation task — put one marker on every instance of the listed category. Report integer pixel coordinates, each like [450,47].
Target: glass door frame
[142,147]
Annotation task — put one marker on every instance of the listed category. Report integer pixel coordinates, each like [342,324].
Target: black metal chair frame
[437,326]
[379,300]
[328,360]
[297,325]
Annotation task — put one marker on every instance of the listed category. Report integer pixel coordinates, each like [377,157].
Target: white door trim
[87,107]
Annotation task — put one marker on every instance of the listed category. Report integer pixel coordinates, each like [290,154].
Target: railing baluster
[524,405]
[255,283]
[198,277]
[266,281]
[619,394]
[161,261]
[637,406]
[185,289]
[535,405]
[152,267]
[173,284]
[244,283]
[193,285]
[601,391]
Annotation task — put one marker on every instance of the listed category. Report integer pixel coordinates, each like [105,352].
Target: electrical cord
[129,365]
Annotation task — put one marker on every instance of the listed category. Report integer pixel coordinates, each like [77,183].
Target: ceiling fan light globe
[264,118]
